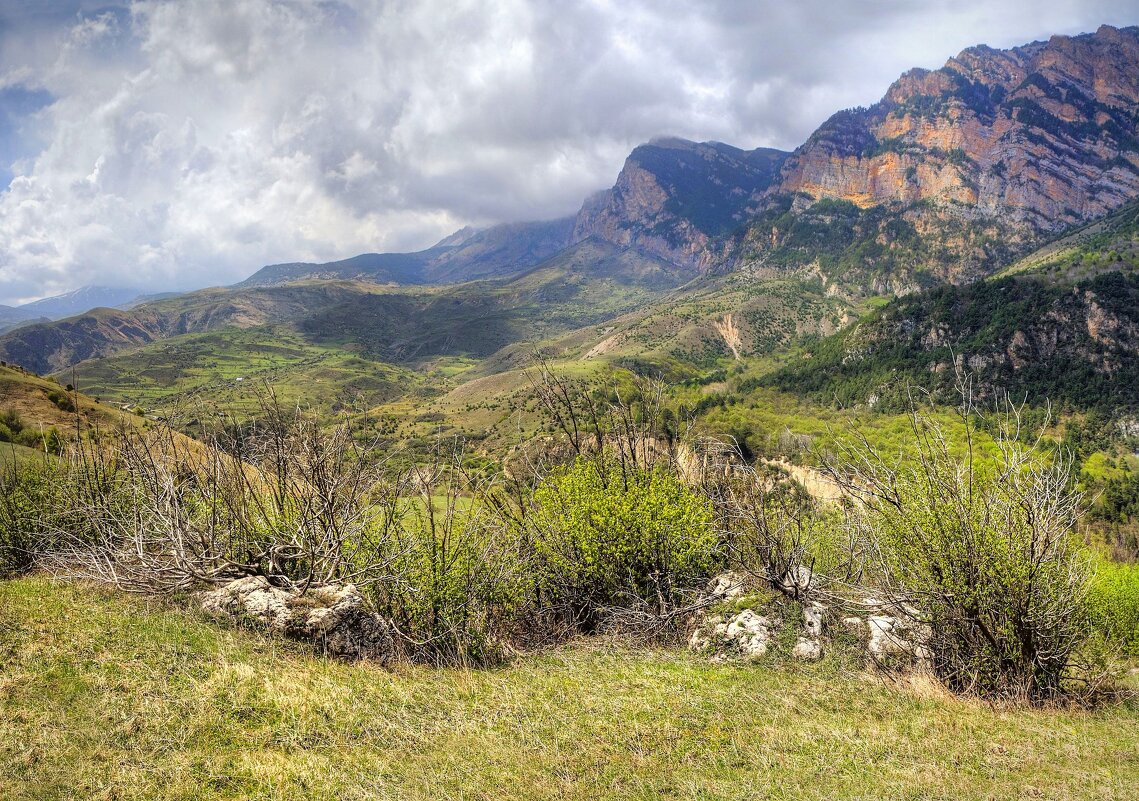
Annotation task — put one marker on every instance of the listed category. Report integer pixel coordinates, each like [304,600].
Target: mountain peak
[674,196]
[457,238]
[1044,135]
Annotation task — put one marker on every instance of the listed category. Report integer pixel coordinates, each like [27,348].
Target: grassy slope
[226,369]
[12,455]
[27,395]
[105,697]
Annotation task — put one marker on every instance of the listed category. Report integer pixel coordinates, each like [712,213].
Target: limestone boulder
[744,634]
[335,619]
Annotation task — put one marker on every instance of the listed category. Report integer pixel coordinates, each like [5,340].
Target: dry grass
[107,697]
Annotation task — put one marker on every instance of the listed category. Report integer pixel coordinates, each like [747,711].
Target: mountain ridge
[758,256]
[1046,134]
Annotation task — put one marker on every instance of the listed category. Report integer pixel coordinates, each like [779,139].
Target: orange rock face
[1043,135]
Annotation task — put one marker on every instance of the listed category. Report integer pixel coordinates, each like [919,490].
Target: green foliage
[915,340]
[606,535]
[13,429]
[11,420]
[1113,601]
[33,498]
[460,583]
[61,400]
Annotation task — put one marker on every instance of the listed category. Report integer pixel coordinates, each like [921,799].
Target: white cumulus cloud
[183,144]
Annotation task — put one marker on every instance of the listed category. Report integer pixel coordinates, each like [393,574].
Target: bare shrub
[170,514]
[773,531]
[978,545]
[308,508]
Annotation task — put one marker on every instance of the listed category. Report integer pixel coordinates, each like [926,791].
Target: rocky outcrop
[673,197]
[334,618]
[743,624]
[743,635]
[1043,135]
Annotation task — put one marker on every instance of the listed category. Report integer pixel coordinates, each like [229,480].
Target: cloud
[181,144]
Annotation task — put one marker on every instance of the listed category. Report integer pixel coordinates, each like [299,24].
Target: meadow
[109,696]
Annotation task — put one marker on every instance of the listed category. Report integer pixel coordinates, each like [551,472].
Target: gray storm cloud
[186,144]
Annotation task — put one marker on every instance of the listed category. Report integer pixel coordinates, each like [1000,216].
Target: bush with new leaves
[611,537]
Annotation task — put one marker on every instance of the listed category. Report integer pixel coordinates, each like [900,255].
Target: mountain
[1044,136]
[703,258]
[13,316]
[671,200]
[583,284]
[463,256]
[957,172]
[674,197]
[1061,324]
[381,268]
[954,174]
[79,300]
[55,346]
[497,251]
[66,305]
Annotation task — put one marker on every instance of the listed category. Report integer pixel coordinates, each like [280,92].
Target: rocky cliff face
[673,197]
[1041,136]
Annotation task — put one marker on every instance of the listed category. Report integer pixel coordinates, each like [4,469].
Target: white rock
[813,619]
[335,618]
[726,586]
[808,649]
[892,635]
[749,632]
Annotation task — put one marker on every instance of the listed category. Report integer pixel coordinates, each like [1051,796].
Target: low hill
[332,344]
[12,317]
[57,346]
[31,408]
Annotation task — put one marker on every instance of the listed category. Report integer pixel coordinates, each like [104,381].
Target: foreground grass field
[108,697]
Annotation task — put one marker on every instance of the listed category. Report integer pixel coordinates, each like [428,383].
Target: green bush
[611,537]
[1113,602]
[47,440]
[61,400]
[459,581]
[32,499]
[11,419]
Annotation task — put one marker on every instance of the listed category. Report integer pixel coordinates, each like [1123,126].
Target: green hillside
[227,370]
[1061,324]
[334,345]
